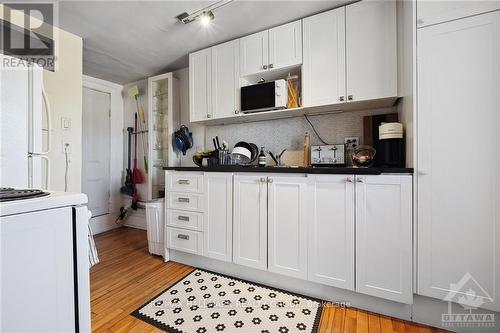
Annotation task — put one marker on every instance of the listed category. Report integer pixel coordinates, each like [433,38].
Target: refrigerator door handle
[47,171]
[49,122]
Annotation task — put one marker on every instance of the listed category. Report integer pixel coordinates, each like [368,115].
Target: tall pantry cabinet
[458,178]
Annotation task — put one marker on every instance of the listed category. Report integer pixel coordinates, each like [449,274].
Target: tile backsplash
[279,134]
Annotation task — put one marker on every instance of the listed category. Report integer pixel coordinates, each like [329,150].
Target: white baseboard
[136,219]
[103,223]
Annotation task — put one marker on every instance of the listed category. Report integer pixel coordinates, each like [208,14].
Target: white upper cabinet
[323,70]
[384,237]
[254,53]
[276,48]
[287,225]
[250,221]
[225,79]
[331,230]
[459,196]
[200,85]
[218,220]
[371,50]
[433,12]
[285,45]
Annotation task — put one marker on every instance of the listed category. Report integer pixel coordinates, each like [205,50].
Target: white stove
[44,261]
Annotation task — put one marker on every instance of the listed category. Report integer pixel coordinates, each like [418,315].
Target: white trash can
[155,218]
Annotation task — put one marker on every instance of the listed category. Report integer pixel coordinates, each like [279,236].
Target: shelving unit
[163,120]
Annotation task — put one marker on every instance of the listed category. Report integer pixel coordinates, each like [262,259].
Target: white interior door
[96,150]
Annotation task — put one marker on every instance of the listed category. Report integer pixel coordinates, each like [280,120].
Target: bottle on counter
[262,157]
[307,150]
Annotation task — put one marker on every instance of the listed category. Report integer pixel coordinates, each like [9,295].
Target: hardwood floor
[128,276]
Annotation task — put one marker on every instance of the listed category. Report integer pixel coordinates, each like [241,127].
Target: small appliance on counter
[328,155]
[264,96]
[391,146]
[363,156]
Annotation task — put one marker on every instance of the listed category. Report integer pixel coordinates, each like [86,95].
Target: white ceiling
[124,41]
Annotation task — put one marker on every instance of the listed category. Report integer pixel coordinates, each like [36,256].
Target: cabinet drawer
[184,219]
[185,201]
[185,183]
[184,240]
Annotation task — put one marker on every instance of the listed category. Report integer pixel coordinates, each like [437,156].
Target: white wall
[64,91]
[107,222]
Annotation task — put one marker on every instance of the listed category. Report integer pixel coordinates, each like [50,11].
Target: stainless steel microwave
[264,96]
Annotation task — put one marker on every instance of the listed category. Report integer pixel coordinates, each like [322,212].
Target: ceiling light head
[206,18]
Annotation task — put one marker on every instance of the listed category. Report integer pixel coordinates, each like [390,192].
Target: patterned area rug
[206,302]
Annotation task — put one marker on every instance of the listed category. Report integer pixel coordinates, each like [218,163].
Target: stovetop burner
[11,194]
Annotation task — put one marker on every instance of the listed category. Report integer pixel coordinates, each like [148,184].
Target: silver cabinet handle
[183,218]
[236,111]
[183,182]
[360,179]
[209,115]
[271,65]
[350,97]
[183,200]
[342,98]
[349,179]
[181,236]
[263,180]
[264,67]
[270,180]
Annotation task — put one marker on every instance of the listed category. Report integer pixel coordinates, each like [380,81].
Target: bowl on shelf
[362,156]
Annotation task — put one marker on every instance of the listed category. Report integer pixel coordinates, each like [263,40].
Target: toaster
[328,155]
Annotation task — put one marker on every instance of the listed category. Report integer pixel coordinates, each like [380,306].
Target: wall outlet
[351,142]
[66,146]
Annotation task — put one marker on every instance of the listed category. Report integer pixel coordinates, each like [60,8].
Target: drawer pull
[183,218]
[183,182]
[181,236]
[186,200]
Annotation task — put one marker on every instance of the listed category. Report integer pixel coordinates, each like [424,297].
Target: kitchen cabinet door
[225,79]
[287,225]
[285,45]
[323,71]
[331,231]
[254,53]
[459,195]
[250,221]
[371,50]
[217,231]
[433,12]
[200,85]
[384,236]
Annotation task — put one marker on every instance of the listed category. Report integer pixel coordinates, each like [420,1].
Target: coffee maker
[390,146]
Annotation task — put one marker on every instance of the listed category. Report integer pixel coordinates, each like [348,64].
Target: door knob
[236,111]
[360,179]
[350,97]
[270,180]
[271,65]
[349,179]
[209,116]
[342,98]
[264,67]
[263,180]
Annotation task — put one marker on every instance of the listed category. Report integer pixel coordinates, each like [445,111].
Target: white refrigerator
[24,162]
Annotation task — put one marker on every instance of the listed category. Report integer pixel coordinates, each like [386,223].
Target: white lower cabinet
[384,237]
[346,231]
[250,221]
[331,230]
[218,221]
[287,225]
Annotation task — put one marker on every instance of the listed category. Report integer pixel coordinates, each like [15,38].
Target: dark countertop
[311,170]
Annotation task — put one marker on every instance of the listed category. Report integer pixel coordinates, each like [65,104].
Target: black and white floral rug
[206,302]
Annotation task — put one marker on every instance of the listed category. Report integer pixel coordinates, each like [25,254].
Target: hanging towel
[93,257]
